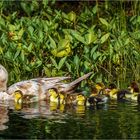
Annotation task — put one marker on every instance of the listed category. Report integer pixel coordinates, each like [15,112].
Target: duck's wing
[51,79]
[70,87]
[31,87]
[36,85]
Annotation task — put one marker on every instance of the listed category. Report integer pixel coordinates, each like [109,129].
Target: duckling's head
[94,91]
[134,87]
[53,92]
[111,90]
[54,95]
[3,78]
[99,86]
[18,96]
[80,99]
[112,86]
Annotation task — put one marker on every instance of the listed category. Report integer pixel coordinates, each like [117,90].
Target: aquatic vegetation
[49,38]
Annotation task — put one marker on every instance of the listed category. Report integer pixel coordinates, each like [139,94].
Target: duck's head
[80,99]
[18,96]
[3,78]
[134,87]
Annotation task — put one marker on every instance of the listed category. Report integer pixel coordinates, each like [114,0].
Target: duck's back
[35,86]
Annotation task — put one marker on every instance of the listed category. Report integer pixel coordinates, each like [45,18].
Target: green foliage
[43,38]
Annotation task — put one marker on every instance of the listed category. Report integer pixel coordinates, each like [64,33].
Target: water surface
[40,121]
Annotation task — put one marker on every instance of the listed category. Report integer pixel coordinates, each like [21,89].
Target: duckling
[135,93]
[53,95]
[80,99]
[100,88]
[132,95]
[118,94]
[97,95]
[57,100]
[56,97]
[18,97]
[112,91]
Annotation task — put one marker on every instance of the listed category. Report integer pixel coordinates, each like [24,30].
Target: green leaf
[62,61]
[2,22]
[63,49]
[31,30]
[72,16]
[68,66]
[76,61]
[54,62]
[12,27]
[93,50]
[77,35]
[105,37]
[30,47]
[16,54]
[22,56]
[20,33]
[47,71]
[63,44]
[95,9]
[52,43]
[38,63]
[90,37]
[104,22]
[96,55]
[40,34]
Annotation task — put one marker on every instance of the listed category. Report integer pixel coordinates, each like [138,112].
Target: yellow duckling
[123,94]
[112,91]
[134,89]
[56,97]
[80,99]
[53,95]
[57,100]
[100,87]
[18,97]
[53,106]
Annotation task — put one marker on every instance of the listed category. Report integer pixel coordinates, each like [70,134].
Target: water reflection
[115,120]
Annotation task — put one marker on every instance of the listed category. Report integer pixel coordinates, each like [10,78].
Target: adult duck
[37,88]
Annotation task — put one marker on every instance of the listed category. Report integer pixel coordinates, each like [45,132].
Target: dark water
[38,121]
